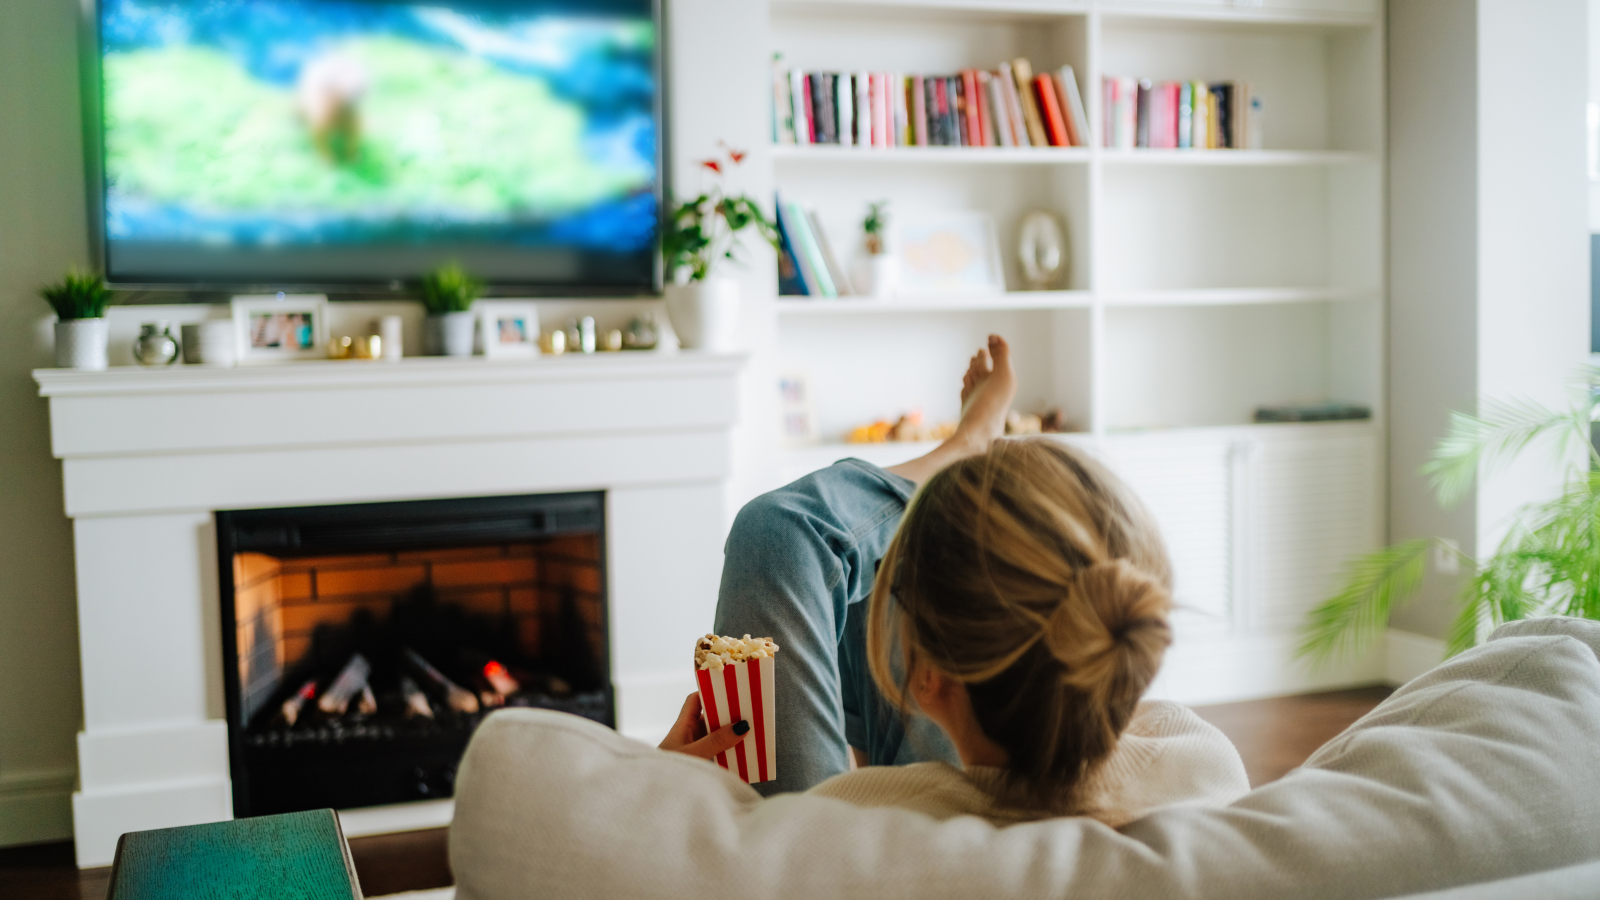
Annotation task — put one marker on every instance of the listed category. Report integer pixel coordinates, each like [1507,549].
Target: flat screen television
[355,144]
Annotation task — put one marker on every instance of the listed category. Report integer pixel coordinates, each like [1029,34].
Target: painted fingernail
[741,727]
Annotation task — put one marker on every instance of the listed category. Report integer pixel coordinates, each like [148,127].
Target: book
[1044,89]
[1074,107]
[782,105]
[958,88]
[844,105]
[1164,116]
[902,111]
[1213,121]
[816,92]
[301,855]
[999,113]
[793,245]
[941,105]
[1060,91]
[798,84]
[974,104]
[1200,121]
[884,120]
[1185,114]
[841,284]
[1127,111]
[810,251]
[1008,88]
[986,109]
[1222,91]
[790,282]
[1141,117]
[1022,72]
[919,111]
[1243,108]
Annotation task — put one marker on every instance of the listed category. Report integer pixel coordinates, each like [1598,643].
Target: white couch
[1486,768]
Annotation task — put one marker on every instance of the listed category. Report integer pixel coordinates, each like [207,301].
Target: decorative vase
[453,333]
[81,344]
[155,345]
[704,313]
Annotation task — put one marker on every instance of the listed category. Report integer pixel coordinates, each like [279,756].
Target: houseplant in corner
[1547,564]
[79,300]
[696,237]
[448,293]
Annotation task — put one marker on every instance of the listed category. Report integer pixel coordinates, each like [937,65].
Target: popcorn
[735,676]
[712,652]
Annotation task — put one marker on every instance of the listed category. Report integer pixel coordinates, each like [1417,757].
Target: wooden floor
[1273,736]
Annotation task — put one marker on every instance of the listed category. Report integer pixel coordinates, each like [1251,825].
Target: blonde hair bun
[1110,631]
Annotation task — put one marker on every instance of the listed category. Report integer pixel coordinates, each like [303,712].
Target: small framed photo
[798,410]
[278,327]
[510,328]
[953,252]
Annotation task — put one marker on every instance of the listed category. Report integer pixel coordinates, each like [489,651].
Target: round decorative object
[81,344]
[155,345]
[1042,250]
[705,314]
[641,334]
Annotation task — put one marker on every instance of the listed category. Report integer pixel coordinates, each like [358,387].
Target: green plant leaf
[78,295]
[448,289]
[1351,621]
[1485,441]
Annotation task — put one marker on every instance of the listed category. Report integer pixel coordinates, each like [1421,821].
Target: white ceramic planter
[705,314]
[876,275]
[81,344]
[453,333]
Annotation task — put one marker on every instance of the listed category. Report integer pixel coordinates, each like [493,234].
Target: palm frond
[1351,621]
[1502,430]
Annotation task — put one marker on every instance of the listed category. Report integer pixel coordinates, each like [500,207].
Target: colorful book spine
[863,86]
[1200,121]
[902,118]
[782,105]
[883,118]
[974,108]
[790,237]
[1023,73]
[1044,90]
[1185,115]
[1008,87]
[1079,116]
[998,112]
[799,95]
[844,105]
[810,250]
[1141,117]
[919,111]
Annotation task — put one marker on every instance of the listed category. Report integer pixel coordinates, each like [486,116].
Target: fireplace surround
[150,456]
[362,644]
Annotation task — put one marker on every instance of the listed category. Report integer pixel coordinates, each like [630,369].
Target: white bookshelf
[1203,284]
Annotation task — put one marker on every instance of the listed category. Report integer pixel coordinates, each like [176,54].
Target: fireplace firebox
[363,644]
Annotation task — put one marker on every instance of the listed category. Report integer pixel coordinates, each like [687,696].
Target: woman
[1017,617]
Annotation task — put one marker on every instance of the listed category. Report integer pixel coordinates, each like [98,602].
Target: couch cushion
[1482,769]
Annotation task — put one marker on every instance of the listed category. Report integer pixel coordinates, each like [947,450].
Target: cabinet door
[1187,486]
[1315,506]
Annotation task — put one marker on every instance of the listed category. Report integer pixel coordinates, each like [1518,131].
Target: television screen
[355,142]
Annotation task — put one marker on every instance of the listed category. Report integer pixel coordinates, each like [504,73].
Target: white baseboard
[1407,655]
[36,806]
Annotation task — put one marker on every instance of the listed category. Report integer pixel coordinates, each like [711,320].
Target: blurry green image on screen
[348,140]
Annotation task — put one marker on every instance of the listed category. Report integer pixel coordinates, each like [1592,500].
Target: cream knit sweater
[1168,756]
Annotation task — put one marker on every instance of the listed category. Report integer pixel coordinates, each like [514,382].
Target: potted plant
[879,273]
[696,236]
[448,293]
[1546,564]
[79,300]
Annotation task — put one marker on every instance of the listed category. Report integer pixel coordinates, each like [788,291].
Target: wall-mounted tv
[359,143]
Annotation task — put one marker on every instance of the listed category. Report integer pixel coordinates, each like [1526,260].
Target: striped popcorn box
[743,691]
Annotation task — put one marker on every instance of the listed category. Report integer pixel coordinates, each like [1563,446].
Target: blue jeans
[798,567]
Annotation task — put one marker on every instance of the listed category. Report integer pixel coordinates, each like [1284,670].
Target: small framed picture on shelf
[510,328]
[797,409]
[952,252]
[280,327]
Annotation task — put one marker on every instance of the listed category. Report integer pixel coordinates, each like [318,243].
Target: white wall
[41,233]
[1488,247]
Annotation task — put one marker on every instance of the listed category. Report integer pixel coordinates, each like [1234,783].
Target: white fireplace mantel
[149,454]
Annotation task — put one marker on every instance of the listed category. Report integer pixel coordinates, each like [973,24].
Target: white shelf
[1011,300]
[990,156]
[1235,296]
[1146,157]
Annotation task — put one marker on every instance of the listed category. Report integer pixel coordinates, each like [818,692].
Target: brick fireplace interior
[364,643]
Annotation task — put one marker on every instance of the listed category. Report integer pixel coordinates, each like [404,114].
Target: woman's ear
[933,691]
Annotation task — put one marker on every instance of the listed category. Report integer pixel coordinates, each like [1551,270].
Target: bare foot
[986,393]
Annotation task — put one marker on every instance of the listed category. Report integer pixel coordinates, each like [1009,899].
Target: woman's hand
[688,734]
